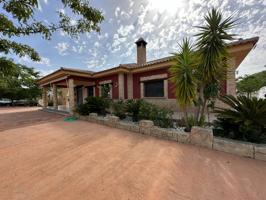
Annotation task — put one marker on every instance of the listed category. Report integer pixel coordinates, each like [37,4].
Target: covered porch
[64,89]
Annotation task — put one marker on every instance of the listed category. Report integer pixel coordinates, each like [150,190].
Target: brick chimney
[141,51]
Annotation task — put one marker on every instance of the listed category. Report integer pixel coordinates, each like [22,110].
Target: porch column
[44,97]
[71,95]
[55,102]
[230,78]
[121,83]
[129,86]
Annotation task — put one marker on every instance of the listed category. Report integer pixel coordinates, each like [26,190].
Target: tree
[248,85]
[17,19]
[183,76]
[212,56]
[20,84]
[212,50]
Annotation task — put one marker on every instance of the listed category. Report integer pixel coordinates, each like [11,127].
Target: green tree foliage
[183,75]
[244,119]
[17,19]
[21,84]
[212,51]
[209,66]
[248,85]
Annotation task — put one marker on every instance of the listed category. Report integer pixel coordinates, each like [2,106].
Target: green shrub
[98,105]
[164,118]
[160,116]
[146,111]
[191,121]
[120,109]
[83,109]
[94,105]
[132,107]
[245,119]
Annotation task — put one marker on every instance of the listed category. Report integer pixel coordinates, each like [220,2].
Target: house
[141,80]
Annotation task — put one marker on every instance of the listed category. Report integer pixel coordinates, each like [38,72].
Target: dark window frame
[88,93]
[155,87]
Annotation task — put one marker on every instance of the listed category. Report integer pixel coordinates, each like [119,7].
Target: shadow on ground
[16,117]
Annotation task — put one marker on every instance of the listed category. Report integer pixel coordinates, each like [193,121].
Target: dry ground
[43,157]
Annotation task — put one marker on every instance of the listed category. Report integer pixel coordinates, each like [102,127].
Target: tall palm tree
[183,75]
[211,47]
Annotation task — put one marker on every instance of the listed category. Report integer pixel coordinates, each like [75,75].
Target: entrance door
[79,95]
[90,91]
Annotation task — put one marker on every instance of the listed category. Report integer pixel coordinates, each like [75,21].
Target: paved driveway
[43,157]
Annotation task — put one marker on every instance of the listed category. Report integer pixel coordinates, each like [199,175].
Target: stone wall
[199,136]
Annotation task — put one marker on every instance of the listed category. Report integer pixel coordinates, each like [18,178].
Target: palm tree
[183,75]
[211,48]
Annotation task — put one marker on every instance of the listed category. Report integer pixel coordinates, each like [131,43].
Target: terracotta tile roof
[130,66]
[169,58]
[76,70]
[243,41]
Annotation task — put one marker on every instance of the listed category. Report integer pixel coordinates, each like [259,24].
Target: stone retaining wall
[198,136]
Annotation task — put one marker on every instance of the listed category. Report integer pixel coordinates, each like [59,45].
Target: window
[154,88]
[90,91]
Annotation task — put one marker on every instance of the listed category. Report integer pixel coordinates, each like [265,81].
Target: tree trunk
[201,97]
[186,115]
[202,110]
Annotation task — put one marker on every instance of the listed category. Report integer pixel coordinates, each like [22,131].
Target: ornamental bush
[161,117]
[97,105]
[119,109]
[83,109]
[245,119]
[132,107]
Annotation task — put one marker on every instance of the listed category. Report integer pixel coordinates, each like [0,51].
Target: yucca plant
[245,119]
[212,50]
[183,75]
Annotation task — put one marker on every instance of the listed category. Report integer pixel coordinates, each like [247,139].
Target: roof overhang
[61,74]
[241,48]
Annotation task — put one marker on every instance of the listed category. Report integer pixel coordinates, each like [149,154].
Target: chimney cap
[141,41]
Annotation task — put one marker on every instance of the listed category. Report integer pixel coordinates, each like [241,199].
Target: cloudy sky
[163,23]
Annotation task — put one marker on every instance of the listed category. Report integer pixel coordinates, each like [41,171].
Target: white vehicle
[5,102]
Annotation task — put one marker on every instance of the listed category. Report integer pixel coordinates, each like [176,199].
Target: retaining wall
[198,136]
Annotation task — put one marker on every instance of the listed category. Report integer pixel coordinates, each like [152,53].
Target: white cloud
[61,11]
[125,30]
[45,61]
[131,3]
[62,48]
[117,11]
[27,61]
[96,44]
[44,72]
[39,6]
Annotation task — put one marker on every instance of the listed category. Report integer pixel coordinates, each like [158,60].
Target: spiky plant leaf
[211,44]
[183,74]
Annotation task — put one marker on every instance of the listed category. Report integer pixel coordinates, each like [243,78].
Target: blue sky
[162,23]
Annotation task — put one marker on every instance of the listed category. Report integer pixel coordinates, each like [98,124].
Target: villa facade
[140,80]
